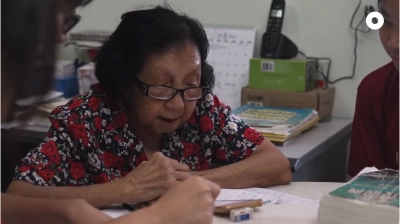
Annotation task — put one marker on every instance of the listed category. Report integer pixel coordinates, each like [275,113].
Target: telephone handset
[274,43]
[272,37]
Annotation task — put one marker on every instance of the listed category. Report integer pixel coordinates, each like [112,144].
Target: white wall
[320,28]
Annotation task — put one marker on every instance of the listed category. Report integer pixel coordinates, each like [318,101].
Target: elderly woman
[151,122]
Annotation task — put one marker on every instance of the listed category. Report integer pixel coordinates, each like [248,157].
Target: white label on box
[267,66]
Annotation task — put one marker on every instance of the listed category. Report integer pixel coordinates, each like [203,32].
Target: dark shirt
[375,134]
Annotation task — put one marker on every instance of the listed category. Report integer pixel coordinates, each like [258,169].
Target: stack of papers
[88,39]
[39,110]
[278,124]
[52,95]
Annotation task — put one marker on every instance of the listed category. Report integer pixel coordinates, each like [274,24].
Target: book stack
[279,125]
[88,38]
[371,197]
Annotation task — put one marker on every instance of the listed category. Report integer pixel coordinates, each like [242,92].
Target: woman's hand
[189,202]
[153,178]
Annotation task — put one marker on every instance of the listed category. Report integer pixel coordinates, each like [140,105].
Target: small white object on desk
[241,214]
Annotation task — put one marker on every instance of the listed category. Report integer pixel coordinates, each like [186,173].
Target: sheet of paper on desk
[266,195]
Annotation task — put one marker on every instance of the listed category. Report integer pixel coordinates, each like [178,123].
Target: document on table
[228,196]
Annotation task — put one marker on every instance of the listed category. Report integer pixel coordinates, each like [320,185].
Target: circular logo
[374,20]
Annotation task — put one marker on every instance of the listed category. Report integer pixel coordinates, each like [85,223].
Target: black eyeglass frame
[144,87]
[74,19]
[70,23]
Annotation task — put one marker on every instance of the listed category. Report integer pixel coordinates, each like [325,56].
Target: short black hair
[141,34]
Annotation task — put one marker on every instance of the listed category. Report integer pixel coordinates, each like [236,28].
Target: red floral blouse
[90,142]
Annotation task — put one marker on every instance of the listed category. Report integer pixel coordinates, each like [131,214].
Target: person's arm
[142,216]
[366,146]
[265,167]
[98,195]
[253,161]
[20,210]
[192,202]
[54,166]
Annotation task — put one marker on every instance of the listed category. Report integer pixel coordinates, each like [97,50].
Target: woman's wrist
[156,213]
[149,215]
[70,208]
[127,187]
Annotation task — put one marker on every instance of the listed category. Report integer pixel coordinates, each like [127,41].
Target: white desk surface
[279,214]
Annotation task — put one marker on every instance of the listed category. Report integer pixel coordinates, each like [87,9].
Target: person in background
[27,58]
[154,103]
[375,134]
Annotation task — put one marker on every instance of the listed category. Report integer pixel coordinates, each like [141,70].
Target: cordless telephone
[274,43]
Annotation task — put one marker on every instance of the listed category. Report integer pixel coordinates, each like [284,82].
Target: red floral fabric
[90,142]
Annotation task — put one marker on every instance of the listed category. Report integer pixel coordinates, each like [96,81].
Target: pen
[128,207]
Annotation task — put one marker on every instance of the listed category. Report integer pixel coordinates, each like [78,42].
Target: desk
[276,213]
[320,154]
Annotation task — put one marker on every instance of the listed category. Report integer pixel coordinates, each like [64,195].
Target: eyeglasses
[70,22]
[167,92]
[74,19]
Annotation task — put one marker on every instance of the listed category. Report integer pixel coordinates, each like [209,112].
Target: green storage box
[296,75]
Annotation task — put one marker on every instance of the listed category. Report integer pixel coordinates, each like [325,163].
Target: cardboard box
[319,99]
[296,75]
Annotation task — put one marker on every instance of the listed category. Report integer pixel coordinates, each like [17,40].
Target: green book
[372,197]
[379,187]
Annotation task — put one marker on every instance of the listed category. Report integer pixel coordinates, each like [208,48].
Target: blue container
[68,85]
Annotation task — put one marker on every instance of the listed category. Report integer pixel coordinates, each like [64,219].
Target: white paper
[49,107]
[35,99]
[12,124]
[227,196]
[38,121]
[115,212]
[367,170]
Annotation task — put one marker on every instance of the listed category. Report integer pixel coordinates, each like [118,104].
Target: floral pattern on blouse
[90,142]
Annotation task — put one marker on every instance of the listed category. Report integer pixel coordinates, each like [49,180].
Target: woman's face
[178,68]
[389,32]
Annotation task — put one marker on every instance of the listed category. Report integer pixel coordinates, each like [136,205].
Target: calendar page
[231,48]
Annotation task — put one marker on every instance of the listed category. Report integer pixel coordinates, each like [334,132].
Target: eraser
[241,214]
